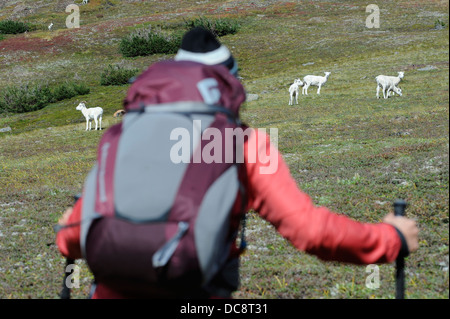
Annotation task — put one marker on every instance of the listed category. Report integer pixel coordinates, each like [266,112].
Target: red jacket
[271,191]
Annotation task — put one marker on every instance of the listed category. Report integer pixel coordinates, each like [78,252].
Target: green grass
[349,151]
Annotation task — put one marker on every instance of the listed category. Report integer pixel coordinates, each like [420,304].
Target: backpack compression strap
[187,108]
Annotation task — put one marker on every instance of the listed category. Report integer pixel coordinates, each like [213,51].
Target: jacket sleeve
[68,238]
[315,230]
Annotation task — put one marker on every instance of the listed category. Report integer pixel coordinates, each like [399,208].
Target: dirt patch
[35,45]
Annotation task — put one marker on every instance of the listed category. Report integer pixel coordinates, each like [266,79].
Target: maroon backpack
[160,205]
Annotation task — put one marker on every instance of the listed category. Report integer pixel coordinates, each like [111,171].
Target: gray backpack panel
[211,227]
[88,210]
[151,176]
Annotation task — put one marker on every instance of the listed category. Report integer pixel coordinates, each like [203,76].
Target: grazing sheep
[119,113]
[388,84]
[93,113]
[50,26]
[315,80]
[293,90]
[397,90]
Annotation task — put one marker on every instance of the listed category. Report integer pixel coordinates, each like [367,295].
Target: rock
[427,68]
[251,97]
[5,129]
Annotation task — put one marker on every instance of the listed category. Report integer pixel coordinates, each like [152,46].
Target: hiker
[203,71]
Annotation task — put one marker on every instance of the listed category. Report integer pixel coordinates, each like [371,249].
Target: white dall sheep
[388,84]
[315,80]
[93,113]
[293,90]
[50,26]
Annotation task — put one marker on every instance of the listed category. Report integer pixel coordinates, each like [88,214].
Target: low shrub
[13,27]
[68,90]
[28,98]
[117,75]
[148,42]
[81,88]
[143,42]
[24,99]
[438,24]
[63,91]
[219,27]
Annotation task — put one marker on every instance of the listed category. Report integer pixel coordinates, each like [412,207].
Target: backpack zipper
[163,255]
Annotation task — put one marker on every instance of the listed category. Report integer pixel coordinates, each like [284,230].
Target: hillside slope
[348,150]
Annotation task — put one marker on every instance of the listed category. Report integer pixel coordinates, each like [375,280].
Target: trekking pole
[399,210]
[65,291]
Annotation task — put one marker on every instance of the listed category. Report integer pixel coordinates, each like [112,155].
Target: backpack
[160,205]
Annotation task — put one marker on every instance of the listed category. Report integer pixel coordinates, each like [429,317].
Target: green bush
[24,99]
[68,90]
[63,91]
[29,98]
[219,27]
[117,75]
[438,24]
[13,27]
[81,88]
[147,42]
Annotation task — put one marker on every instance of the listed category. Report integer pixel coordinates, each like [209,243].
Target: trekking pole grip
[399,210]
[399,207]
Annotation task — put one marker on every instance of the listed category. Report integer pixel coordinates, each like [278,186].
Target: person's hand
[407,227]
[65,217]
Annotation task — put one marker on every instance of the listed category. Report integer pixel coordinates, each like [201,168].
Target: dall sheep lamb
[388,84]
[50,26]
[119,113]
[93,113]
[315,80]
[293,90]
[397,90]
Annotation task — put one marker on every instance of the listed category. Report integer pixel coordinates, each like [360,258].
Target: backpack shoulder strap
[98,192]
[106,158]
